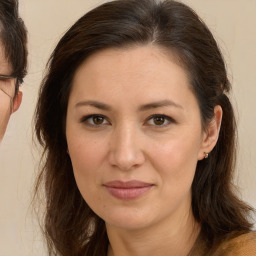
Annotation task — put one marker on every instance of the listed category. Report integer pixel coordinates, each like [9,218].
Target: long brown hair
[71,227]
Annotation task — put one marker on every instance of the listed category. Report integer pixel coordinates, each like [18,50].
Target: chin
[128,220]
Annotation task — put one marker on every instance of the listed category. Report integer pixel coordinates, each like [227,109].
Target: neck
[176,237]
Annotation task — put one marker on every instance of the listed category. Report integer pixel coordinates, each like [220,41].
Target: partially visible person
[13,60]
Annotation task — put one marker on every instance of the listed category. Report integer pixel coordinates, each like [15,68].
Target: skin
[127,143]
[11,103]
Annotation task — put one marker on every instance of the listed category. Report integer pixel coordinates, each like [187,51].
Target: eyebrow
[158,104]
[152,105]
[95,104]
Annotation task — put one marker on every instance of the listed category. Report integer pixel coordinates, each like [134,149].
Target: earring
[206,155]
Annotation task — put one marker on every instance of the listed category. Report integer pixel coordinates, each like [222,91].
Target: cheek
[87,157]
[176,167]
[87,160]
[179,150]
[85,153]
[176,160]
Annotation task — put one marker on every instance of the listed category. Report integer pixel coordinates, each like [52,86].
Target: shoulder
[241,245]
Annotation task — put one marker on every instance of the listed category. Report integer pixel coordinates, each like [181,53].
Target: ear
[17,101]
[211,135]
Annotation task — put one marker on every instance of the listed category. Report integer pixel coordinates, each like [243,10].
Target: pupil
[159,120]
[98,120]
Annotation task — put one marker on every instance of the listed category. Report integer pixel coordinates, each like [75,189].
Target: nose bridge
[125,147]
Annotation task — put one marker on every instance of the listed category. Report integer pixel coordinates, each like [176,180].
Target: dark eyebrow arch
[95,104]
[158,104]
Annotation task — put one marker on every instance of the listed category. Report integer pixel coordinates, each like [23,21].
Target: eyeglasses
[7,85]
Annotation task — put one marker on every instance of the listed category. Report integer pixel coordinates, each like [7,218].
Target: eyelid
[168,118]
[6,77]
[85,119]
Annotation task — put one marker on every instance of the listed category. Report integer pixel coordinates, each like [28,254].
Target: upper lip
[127,184]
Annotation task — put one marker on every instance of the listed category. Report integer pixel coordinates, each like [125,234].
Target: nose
[126,149]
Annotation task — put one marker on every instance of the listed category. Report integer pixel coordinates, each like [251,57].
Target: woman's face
[134,136]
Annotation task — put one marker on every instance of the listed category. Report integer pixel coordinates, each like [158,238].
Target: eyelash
[87,120]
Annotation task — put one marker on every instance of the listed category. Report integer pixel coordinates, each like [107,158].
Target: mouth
[127,190]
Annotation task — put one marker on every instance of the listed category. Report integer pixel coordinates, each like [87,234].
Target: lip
[127,190]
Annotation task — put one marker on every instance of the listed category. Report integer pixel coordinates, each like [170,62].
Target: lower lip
[128,193]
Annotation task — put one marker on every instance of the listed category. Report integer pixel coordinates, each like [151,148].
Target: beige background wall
[233,23]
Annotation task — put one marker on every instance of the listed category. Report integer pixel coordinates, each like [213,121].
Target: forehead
[139,69]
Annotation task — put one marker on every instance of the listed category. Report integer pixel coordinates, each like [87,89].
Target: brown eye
[94,120]
[159,120]
[98,120]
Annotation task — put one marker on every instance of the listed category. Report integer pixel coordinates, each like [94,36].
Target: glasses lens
[7,86]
